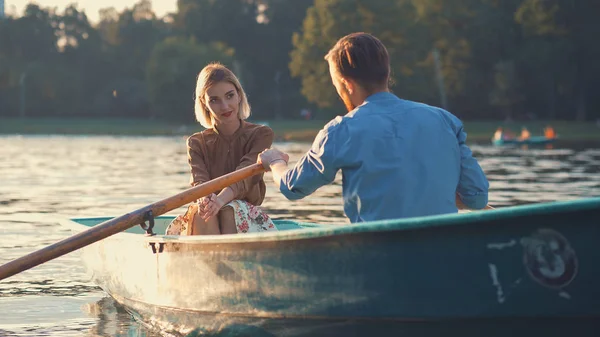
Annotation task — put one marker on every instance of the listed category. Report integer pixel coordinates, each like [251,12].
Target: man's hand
[270,156]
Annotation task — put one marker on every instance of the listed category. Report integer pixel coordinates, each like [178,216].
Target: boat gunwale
[313,230]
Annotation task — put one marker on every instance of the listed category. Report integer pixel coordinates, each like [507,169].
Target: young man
[398,158]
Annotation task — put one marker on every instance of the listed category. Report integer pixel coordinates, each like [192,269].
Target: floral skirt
[248,219]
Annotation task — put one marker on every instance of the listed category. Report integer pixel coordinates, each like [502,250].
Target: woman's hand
[202,204]
[209,206]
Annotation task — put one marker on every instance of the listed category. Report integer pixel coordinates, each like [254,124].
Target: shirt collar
[237,132]
[378,96]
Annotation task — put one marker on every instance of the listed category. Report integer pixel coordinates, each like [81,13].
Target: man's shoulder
[331,132]
[446,115]
[423,106]
[334,123]
[337,126]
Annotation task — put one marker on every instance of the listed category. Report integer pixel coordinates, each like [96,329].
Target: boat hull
[189,323]
[533,262]
[535,140]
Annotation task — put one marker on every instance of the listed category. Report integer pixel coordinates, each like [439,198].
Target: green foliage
[497,58]
[171,73]
[309,48]
[398,29]
[506,92]
[538,17]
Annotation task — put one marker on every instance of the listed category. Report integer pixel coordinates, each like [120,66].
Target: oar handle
[124,222]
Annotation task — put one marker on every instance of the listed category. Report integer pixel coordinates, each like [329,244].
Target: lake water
[43,178]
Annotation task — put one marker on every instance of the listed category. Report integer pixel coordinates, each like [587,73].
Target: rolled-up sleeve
[473,185]
[316,168]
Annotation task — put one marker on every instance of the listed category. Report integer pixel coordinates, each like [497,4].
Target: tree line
[481,59]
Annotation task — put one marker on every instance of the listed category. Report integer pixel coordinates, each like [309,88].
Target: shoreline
[285,130]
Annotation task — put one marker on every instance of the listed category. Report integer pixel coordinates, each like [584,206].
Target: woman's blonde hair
[209,76]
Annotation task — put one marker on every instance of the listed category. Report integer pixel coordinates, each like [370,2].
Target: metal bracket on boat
[148,216]
[161,246]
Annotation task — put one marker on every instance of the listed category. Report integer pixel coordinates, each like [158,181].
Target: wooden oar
[126,221]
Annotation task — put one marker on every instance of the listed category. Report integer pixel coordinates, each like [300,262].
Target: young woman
[228,143]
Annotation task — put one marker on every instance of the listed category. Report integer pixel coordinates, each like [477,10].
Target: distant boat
[534,140]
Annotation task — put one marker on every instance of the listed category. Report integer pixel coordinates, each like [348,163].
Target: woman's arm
[261,139]
[198,169]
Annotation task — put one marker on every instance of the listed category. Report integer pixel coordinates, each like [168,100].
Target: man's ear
[349,85]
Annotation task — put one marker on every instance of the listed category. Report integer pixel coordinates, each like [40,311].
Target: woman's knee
[202,227]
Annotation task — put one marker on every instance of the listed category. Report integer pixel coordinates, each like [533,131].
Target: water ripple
[46,177]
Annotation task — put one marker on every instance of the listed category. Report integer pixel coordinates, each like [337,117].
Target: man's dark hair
[362,58]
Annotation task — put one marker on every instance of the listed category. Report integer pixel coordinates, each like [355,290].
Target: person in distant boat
[398,158]
[524,134]
[228,144]
[499,134]
[549,132]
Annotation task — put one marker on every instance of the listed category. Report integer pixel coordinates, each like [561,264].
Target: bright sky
[91,7]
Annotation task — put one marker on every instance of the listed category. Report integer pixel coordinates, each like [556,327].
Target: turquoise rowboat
[533,265]
[534,140]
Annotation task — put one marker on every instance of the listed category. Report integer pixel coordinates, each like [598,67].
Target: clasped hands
[209,206]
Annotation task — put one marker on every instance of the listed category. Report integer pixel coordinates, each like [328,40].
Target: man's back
[398,159]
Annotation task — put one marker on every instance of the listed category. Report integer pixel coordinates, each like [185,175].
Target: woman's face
[223,101]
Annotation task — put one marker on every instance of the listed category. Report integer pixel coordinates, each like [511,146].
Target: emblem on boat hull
[549,258]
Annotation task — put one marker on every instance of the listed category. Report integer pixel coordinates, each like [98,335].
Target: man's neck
[377,91]
[363,95]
